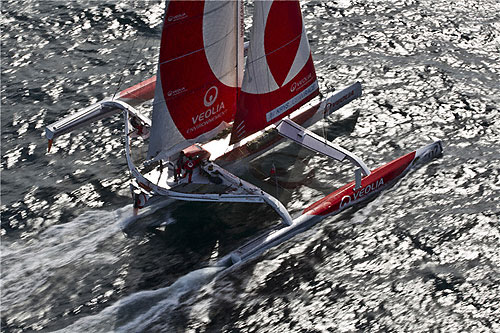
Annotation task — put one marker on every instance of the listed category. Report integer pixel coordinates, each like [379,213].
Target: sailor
[188,167]
[179,166]
[135,122]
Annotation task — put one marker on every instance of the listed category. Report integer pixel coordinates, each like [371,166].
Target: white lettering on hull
[347,199]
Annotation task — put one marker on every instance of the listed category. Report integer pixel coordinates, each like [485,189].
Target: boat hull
[233,157]
[339,200]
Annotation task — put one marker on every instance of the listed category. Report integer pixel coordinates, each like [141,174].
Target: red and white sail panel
[199,73]
[279,74]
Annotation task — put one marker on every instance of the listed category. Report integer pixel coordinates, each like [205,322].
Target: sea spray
[135,312]
[129,223]
[60,257]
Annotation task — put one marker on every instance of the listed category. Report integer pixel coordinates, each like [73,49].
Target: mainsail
[199,73]
[279,74]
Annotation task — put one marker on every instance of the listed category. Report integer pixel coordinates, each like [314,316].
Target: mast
[240,18]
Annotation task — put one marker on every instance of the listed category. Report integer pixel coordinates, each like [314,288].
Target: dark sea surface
[422,256]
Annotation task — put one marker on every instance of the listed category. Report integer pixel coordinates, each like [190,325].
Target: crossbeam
[308,139]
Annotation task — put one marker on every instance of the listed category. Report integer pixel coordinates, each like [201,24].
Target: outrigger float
[334,203]
[209,117]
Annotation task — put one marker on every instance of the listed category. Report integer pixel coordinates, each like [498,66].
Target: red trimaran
[218,112]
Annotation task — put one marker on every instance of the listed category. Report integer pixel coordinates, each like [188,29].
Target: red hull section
[141,92]
[334,203]
[370,184]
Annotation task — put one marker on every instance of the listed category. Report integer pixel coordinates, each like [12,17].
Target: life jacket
[189,165]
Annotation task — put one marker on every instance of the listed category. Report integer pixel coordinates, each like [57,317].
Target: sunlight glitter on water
[422,256]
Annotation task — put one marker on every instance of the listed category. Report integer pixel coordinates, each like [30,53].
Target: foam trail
[129,222]
[28,267]
[136,311]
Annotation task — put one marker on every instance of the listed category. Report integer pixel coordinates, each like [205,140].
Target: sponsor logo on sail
[208,113]
[207,117]
[274,113]
[296,85]
[176,17]
[171,93]
[212,113]
[210,96]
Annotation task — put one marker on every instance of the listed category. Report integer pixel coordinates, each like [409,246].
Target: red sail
[197,71]
[279,74]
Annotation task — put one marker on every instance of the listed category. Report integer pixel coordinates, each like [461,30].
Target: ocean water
[422,256]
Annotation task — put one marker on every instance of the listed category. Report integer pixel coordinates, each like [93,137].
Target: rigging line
[237,22]
[273,170]
[207,46]
[139,53]
[324,131]
[325,119]
[270,178]
[276,180]
[126,64]
[268,78]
